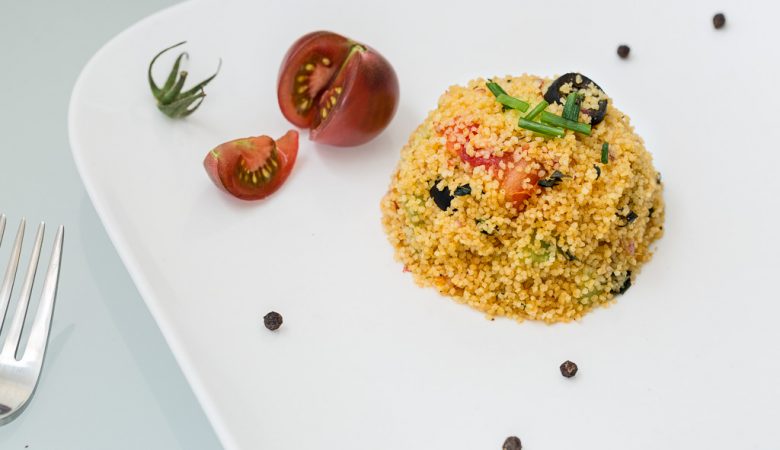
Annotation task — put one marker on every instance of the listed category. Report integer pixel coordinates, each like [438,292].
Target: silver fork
[19,377]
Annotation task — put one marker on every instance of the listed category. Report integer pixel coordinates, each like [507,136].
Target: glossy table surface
[109,381]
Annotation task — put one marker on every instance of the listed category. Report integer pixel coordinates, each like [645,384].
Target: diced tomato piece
[519,182]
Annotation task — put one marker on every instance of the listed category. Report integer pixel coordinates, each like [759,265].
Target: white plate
[688,358]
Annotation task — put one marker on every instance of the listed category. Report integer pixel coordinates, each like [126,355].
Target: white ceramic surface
[688,358]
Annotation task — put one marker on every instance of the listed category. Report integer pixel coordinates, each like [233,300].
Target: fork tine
[10,273]
[2,227]
[39,333]
[15,332]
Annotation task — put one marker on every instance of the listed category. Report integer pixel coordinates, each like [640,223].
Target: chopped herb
[495,88]
[537,109]
[514,103]
[569,256]
[558,121]
[571,109]
[630,217]
[718,21]
[540,128]
[482,229]
[605,153]
[568,369]
[554,180]
[623,51]
[272,320]
[626,284]
[462,190]
[598,171]
[442,197]
[512,443]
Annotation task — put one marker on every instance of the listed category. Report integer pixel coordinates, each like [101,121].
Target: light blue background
[110,381]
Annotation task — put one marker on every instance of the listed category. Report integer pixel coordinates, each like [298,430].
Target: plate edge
[187,368]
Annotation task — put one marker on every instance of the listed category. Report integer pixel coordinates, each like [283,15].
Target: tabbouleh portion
[540,234]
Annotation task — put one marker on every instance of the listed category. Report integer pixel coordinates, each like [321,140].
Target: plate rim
[145,291]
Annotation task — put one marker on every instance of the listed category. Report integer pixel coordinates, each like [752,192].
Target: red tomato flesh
[518,183]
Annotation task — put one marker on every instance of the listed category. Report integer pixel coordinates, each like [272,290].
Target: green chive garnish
[512,102]
[558,121]
[495,88]
[571,110]
[540,128]
[605,153]
[537,109]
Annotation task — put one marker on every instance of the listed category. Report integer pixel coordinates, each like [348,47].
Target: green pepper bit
[605,153]
[558,121]
[537,109]
[514,103]
[495,88]
[540,128]
[571,110]
[170,99]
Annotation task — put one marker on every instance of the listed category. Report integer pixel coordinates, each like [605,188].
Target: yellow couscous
[518,224]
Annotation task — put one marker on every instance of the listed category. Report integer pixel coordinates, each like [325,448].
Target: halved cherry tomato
[344,91]
[252,168]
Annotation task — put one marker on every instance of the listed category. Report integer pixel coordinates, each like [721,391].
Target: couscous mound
[518,224]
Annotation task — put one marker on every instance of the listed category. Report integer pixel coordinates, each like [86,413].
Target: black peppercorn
[273,320]
[568,369]
[718,21]
[623,51]
[512,443]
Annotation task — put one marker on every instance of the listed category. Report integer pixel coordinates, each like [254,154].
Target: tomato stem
[171,101]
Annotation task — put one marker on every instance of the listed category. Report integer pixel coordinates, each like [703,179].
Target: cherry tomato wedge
[345,92]
[252,168]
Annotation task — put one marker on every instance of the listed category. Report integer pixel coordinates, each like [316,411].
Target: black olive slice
[554,94]
[442,197]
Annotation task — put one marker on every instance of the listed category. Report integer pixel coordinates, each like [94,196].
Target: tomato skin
[367,85]
[222,164]
[366,107]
